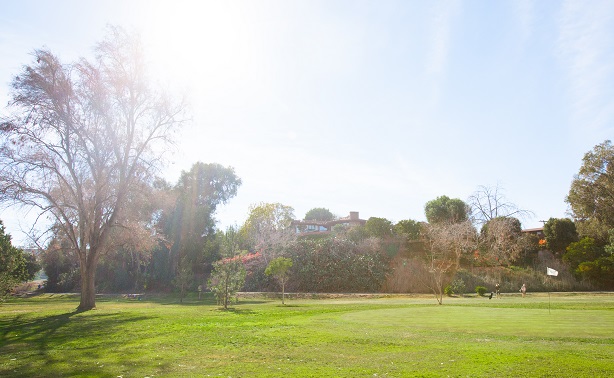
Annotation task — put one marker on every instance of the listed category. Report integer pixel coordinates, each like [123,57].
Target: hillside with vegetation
[118,227]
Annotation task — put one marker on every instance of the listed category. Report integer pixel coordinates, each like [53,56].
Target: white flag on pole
[551,272]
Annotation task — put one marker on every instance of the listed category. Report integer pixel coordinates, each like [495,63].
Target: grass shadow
[234,310]
[252,301]
[42,336]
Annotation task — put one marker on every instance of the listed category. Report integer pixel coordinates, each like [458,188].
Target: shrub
[333,265]
[481,290]
[448,290]
[599,272]
[458,286]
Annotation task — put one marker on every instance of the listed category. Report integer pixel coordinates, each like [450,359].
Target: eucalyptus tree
[591,196]
[81,140]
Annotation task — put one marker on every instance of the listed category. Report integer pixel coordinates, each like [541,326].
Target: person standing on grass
[498,290]
[523,290]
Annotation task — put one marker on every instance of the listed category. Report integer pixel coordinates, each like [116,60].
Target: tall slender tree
[199,191]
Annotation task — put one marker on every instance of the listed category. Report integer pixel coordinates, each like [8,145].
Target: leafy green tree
[584,250]
[446,210]
[279,268]
[13,264]
[609,248]
[83,141]
[559,233]
[591,262]
[319,214]
[591,196]
[599,272]
[378,227]
[199,192]
[408,228]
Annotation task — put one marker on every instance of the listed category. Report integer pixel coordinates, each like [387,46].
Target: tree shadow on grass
[36,340]
[205,301]
[187,303]
[253,301]
[234,310]
[289,305]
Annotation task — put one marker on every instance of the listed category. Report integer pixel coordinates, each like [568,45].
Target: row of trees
[484,232]
[359,258]
[83,142]
[177,248]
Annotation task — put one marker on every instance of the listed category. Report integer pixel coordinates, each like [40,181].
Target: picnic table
[134,297]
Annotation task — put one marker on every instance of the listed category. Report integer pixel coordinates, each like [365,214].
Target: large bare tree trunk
[88,284]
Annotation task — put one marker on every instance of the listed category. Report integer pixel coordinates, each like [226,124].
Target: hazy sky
[369,106]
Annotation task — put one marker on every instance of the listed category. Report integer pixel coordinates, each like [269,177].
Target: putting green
[542,323]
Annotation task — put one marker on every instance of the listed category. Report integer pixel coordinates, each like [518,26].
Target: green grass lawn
[345,337]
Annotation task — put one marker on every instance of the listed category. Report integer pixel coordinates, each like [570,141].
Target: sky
[369,106]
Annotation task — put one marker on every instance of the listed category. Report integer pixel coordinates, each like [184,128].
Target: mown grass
[345,337]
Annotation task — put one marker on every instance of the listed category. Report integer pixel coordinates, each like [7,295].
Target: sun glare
[191,43]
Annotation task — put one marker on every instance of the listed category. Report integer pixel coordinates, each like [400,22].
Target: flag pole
[550,272]
[548,298]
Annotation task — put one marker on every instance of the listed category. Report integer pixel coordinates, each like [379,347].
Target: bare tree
[82,141]
[488,203]
[501,240]
[444,244]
